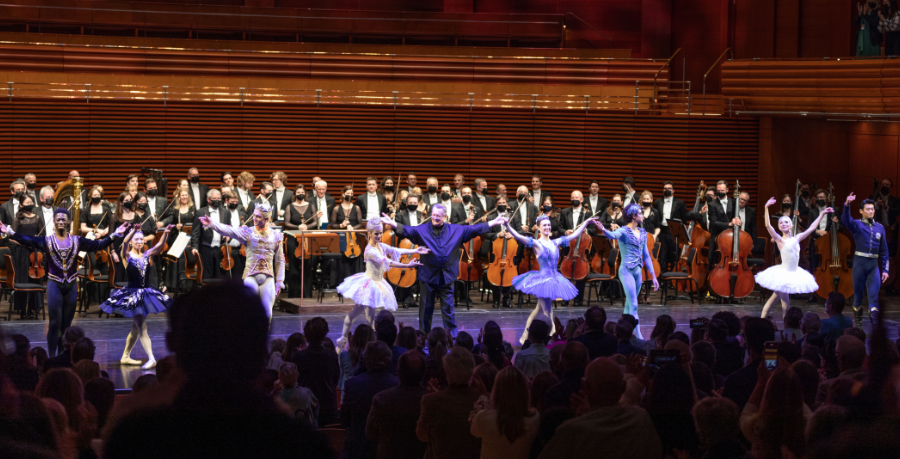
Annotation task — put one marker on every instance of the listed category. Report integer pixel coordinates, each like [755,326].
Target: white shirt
[433,198]
[372,209]
[279,196]
[448,206]
[824,222]
[151,204]
[482,200]
[667,210]
[244,196]
[15,207]
[523,211]
[235,222]
[537,197]
[593,201]
[576,214]
[48,215]
[743,220]
[217,238]
[195,190]
[629,197]
[724,203]
[413,218]
[322,205]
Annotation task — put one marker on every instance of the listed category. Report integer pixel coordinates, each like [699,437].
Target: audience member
[624,335]
[88,370]
[20,369]
[717,420]
[83,349]
[809,326]
[483,378]
[680,336]
[350,357]
[101,394]
[809,380]
[38,357]
[63,386]
[358,396]
[166,368]
[637,342]
[611,428]
[301,401]
[850,354]
[669,402]
[598,342]
[733,323]
[539,387]
[296,342]
[406,338]
[438,343]
[857,333]
[535,359]
[792,318]
[739,385]
[834,326]
[64,359]
[468,343]
[386,332]
[143,383]
[276,349]
[704,352]
[492,347]
[729,355]
[574,360]
[395,411]
[509,427]
[774,417]
[319,369]
[444,420]
[661,331]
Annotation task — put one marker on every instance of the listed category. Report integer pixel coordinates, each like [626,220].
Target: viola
[470,268]
[404,277]
[502,269]
[36,265]
[352,250]
[732,277]
[833,249]
[227,259]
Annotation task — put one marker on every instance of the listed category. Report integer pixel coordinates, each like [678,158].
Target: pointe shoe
[127,360]
[150,364]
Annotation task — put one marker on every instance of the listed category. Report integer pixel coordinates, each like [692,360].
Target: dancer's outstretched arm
[156,249]
[224,230]
[579,230]
[814,225]
[515,235]
[123,251]
[768,221]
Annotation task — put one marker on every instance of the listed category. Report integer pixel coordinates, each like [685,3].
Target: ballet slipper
[127,360]
[150,364]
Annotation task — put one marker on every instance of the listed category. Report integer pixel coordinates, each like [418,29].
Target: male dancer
[871,255]
[62,286]
[264,267]
[440,267]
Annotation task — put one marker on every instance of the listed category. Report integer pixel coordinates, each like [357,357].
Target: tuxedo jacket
[679,210]
[750,222]
[7,213]
[161,203]
[814,214]
[39,211]
[567,218]
[544,194]
[515,218]
[720,218]
[402,217]
[601,205]
[429,200]
[490,202]
[204,236]
[204,189]
[286,198]
[363,201]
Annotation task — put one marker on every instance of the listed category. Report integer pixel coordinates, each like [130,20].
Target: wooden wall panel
[106,142]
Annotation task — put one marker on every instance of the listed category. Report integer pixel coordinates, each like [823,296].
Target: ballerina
[634,255]
[370,290]
[138,299]
[264,268]
[787,278]
[546,284]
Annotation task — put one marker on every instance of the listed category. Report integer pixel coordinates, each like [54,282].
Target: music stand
[320,243]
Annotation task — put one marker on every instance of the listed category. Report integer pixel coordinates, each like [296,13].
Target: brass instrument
[68,194]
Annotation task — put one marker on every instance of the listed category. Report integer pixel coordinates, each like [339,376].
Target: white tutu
[781,279]
[367,292]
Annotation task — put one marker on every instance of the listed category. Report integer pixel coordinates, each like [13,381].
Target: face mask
[195,179]
[31,186]
[432,189]
[885,190]
[721,194]
[20,194]
[301,197]
[215,204]
[667,193]
[709,198]
[445,196]
[501,208]
[142,206]
[645,204]
[347,197]
[786,205]
[820,202]
[616,205]
[389,188]
[576,203]
[152,192]
[412,207]
[232,206]
[521,196]
[27,208]
[127,204]
[95,200]
[467,199]
[804,193]
[48,202]
[547,208]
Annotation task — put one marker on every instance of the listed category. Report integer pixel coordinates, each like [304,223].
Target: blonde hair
[177,198]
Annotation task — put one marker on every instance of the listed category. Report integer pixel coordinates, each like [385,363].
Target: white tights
[138,331]
[354,313]
[264,286]
[545,306]
[785,303]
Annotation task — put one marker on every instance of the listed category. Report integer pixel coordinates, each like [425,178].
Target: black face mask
[786,205]
[20,195]
[576,203]
[142,206]
[31,186]
[872,5]
[301,197]
[215,204]
[616,205]
[412,207]
[885,190]
[721,194]
[95,200]
[195,179]
[547,209]
[467,199]
[445,196]
[432,189]
[820,202]
[128,204]
[708,198]
[152,192]
[27,208]
[646,204]
[232,206]
[48,202]
[389,188]
[521,196]
[804,193]
[667,193]
[501,208]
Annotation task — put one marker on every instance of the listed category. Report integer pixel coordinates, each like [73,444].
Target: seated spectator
[729,355]
[850,353]
[823,427]
[704,352]
[276,349]
[468,343]
[509,427]
[64,359]
[664,327]
[857,333]
[358,399]
[38,357]
[774,417]
[616,430]
[809,379]
[739,385]
[703,379]
[539,387]
[438,343]
[350,357]
[296,342]
[143,383]
[386,332]
[717,422]
[395,411]
[809,326]
[598,342]
[834,326]
[166,369]
[483,378]
[624,335]
[220,410]
[301,401]
[83,349]
[669,402]
[319,369]
[680,336]
[792,318]
[573,363]
[63,386]
[20,369]
[637,342]
[732,322]
[555,356]
[88,370]
[406,338]
[444,420]
[492,347]
[535,359]
[101,394]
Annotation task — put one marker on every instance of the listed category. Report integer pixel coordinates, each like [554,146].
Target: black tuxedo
[7,212]
[204,189]
[719,220]
[210,257]
[477,213]
[490,203]
[402,217]
[457,213]
[515,218]
[39,211]
[329,205]
[544,194]
[567,218]
[601,205]
[286,196]
[161,204]
[245,203]
[749,222]
[363,201]
[668,250]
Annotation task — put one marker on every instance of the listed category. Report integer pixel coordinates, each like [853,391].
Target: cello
[732,277]
[404,277]
[576,264]
[698,238]
[502,269]
[833,274]
[470,268]
[529,261]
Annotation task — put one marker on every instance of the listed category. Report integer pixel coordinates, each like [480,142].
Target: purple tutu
[131,302]
[367,292]
[545,285]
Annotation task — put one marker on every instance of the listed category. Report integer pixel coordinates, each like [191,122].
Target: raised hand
[121,229]
[852,196]
[387,220]
[828,210]
[3,228]
[422,250]
[413,263]
[205,221]
[771,201]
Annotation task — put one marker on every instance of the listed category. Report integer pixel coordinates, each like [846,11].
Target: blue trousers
[444,294]
[61,304]
[866,281]
[631,282]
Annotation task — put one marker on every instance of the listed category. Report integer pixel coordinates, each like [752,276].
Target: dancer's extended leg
[353,314]
[631,283]
[545,306]
[785,302]
[769,304]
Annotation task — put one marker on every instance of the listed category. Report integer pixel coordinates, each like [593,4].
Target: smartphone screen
[660,357]
[770,355]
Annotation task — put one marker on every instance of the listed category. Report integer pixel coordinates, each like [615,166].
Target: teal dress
[864,45]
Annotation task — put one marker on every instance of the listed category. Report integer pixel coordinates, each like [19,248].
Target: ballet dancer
[62,250]
[547,283]
[634,255]
[370,290]
[138,300]
[264,268]
[787,278]
[871,261]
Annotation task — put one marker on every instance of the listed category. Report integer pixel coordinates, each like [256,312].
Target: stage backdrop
[106,142]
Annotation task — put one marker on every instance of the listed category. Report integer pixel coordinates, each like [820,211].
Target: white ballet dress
[370,288]
[788,277]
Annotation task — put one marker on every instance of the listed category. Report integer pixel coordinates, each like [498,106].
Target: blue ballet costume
[634,255]
[137,298]
[547,282]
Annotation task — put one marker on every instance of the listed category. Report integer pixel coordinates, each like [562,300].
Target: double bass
[470,268]
[833,274]
[732,277]
[697,267]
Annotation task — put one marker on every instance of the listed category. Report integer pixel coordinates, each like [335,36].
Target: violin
[833,274]
[101,255]
[470,268]
[352,250]
[502,269]
[404,277]
[36,265]
[227,259]
[732,277]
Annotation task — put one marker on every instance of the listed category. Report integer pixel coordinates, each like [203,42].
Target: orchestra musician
[501,191]
[612,216]
[652,222]
[628,188]
[701,214]
[434,192]
[199,191]
[31,186]
[884,200]
[457,213]
[155,204]
[206,243]
[459,181]
[481,198]
[238,218]
[412,181]
[26,223]
[322,201]
[501,294]
[389,191]
[10,209]
[536,194]
[123,214]
[594,202]
[180,214]
[570,219]
[245,191]
[296,217]
[549,210]
[347,216]
[317,180]
[266,190]
[227,179]
[408,215]
[668,207]
[372,203]
[747,216]
[472,210]
[131,183]
[280,197]
[721,210]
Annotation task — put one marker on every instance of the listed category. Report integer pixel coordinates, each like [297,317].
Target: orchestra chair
[15,287]
[111,280]
[665,277]
[593,280]
[757,259]
[88,277]
[3,289]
